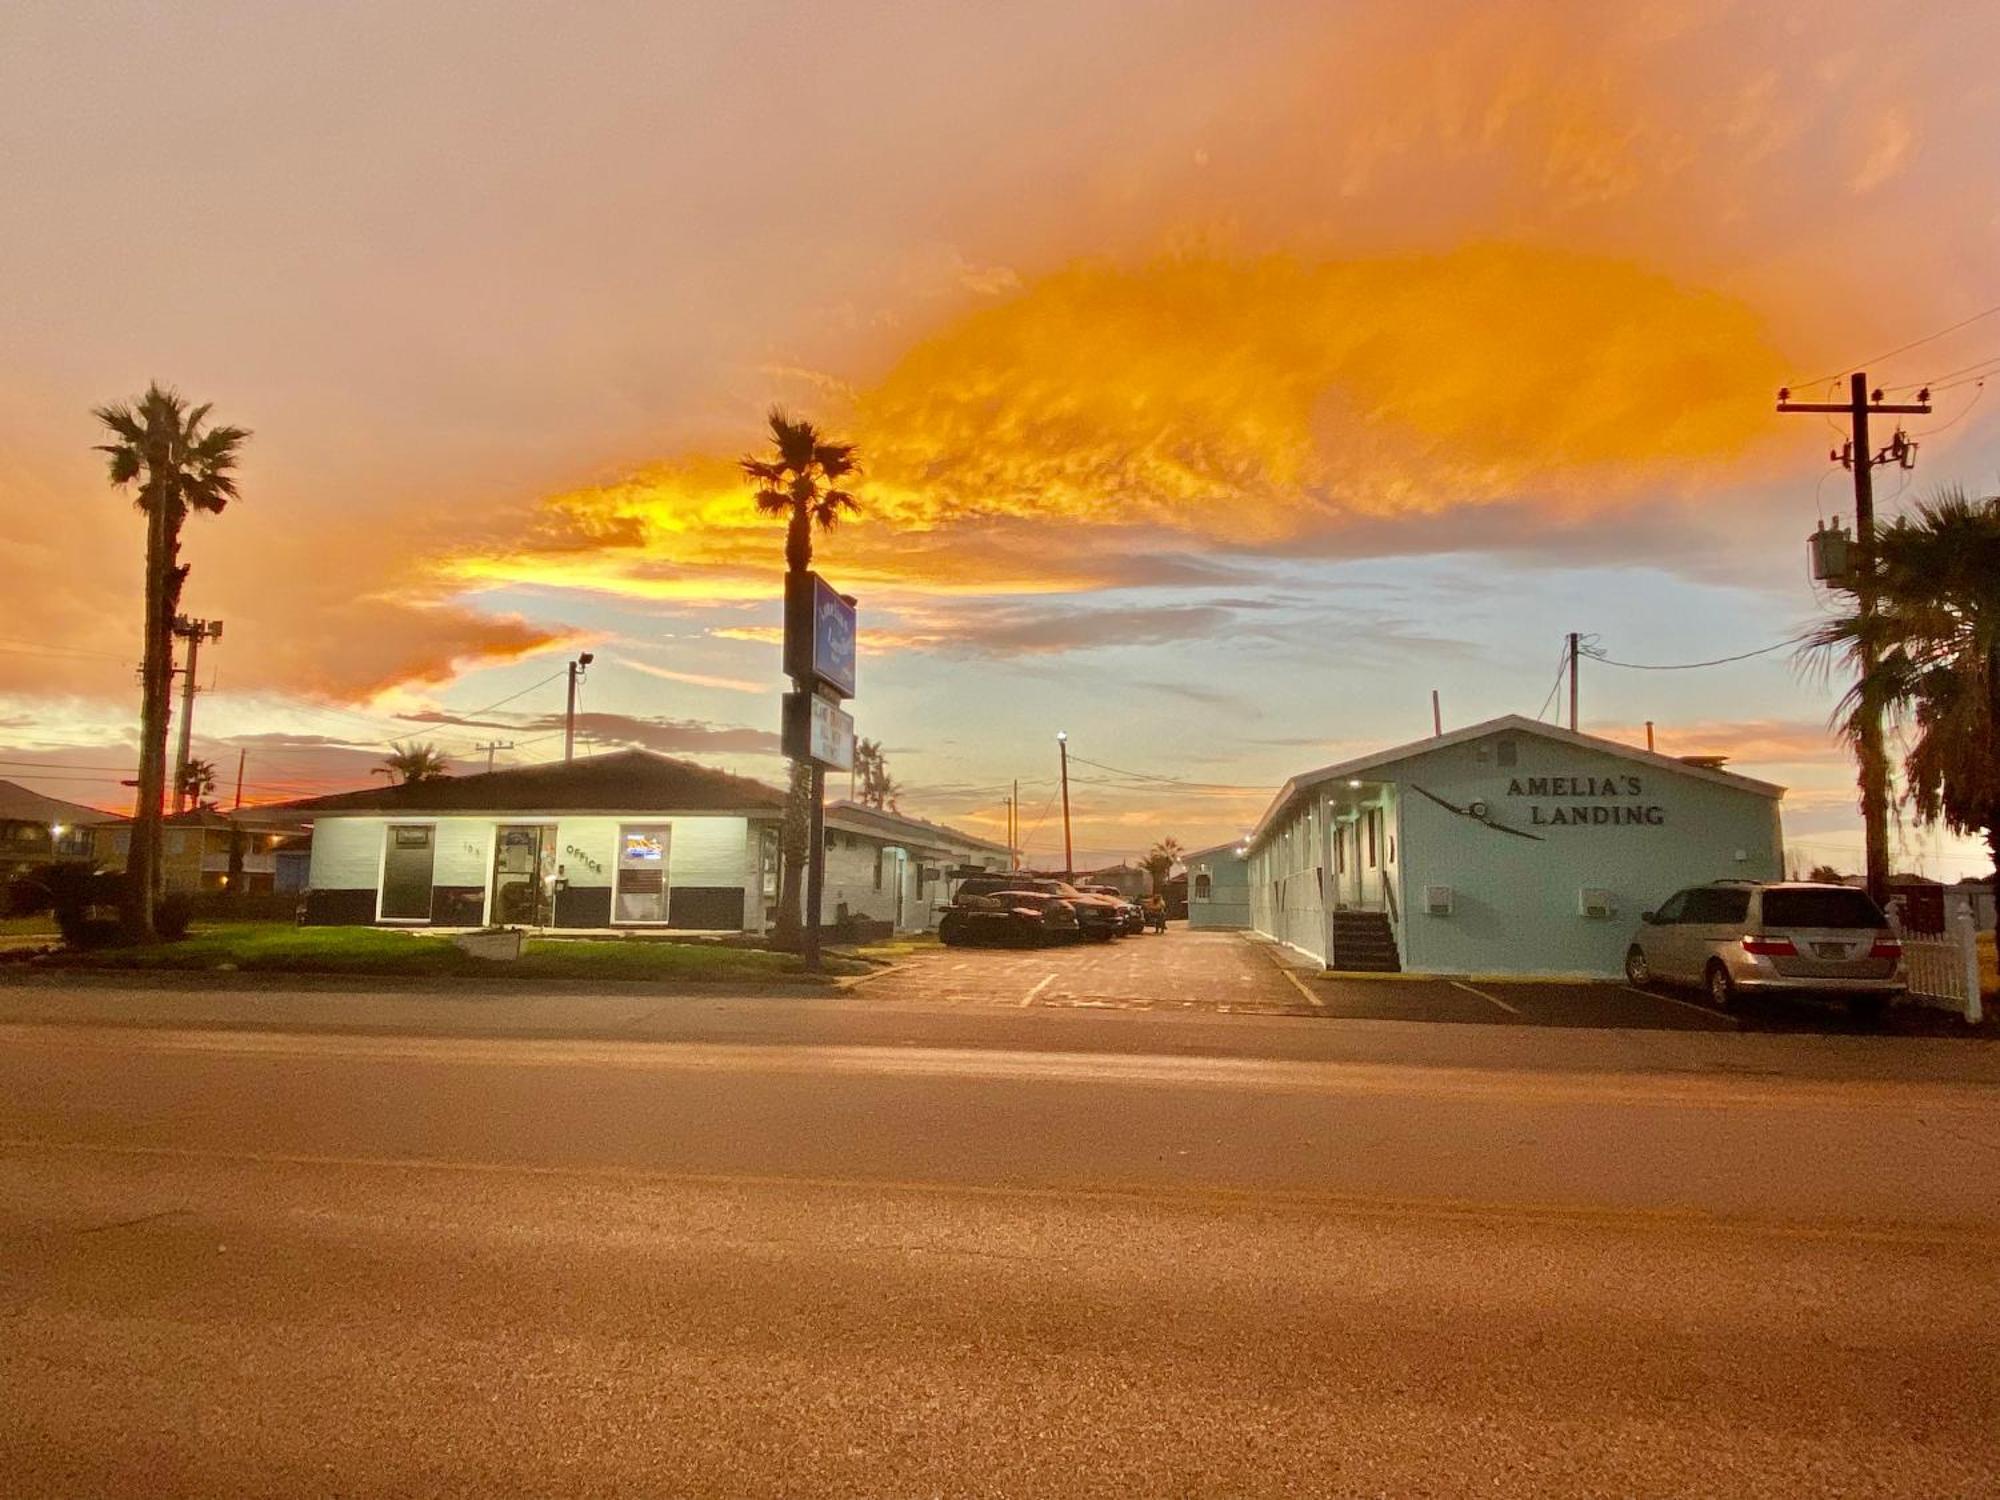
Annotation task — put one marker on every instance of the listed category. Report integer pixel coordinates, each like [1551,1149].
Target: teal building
[1218,891]
[1509,847]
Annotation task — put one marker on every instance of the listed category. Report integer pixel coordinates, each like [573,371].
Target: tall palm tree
[413,763]
[800,481]
[1936,637]
[176,463]
[197,783]
[1161,861]
[879,789]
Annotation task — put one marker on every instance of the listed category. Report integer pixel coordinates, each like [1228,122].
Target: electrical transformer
[1831,551]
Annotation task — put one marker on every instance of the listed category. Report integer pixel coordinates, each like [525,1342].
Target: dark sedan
[1008,919]
[1097,917]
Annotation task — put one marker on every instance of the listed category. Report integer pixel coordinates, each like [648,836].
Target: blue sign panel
[833,638]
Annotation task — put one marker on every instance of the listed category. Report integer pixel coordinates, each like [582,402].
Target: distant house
[207,851]
[1133,882]
[37,830]
[1218,893]
[630,840]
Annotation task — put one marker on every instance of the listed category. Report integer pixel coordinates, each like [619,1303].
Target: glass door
[642,873]
[524,871]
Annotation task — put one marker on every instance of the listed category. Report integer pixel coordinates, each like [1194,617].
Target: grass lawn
[282,948]
[43,926]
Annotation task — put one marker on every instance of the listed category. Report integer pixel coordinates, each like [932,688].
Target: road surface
[268,1263]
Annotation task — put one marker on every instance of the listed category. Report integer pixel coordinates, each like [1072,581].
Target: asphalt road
[291,1264]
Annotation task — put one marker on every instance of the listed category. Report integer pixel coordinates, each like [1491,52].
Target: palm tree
[177,464]
[799,481]
[879,789]
[413,763]
[197,783]
[1935,633]
[1161,861]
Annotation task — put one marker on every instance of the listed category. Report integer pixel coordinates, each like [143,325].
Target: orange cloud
[1196,403]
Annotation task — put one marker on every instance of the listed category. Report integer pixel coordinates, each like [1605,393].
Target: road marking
[1700,1010]
[1512,1010]
[1301,986]
[1040,985]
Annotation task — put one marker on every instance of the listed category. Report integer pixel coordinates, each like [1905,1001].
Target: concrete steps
[1364,940]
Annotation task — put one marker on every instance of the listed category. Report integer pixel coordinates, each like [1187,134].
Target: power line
[1986,312]
[1689,666]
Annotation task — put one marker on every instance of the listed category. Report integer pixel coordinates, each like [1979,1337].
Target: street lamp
[1069,856]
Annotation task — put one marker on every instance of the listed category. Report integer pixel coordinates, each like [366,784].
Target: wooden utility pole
[242,756]
[489,747]
[1437,715]
[1860,405]
[194,632]
[1014,826]
[1069,856]
[1573,638]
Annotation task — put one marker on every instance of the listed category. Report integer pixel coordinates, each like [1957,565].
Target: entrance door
[407,860]
[524,870]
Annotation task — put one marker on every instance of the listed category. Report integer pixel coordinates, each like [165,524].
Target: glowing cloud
[1208,403]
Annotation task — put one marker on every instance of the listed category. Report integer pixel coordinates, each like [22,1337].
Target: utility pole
[576,671]
[1858,455]
[1069,856]
[489,747]
[1437,715]
[194,632]
[1572,681]
[242,755]
[1014,827]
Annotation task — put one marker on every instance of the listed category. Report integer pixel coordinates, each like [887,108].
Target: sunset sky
[1226,376]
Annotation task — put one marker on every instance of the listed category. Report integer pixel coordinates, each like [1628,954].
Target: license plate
[1830,950]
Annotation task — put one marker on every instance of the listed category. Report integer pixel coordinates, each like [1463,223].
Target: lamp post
[1069,857]
[576,671]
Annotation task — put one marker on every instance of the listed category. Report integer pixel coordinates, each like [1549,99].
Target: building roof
[266,816]
[852,817]
[19,805]
[625,781]
[1233,847]
[1507,723]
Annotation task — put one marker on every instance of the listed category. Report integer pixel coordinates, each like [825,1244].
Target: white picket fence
[1943,967]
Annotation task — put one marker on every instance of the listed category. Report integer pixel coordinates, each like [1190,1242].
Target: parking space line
[1040,985]
[1700,1010]
[1513,1010]
[1301,986]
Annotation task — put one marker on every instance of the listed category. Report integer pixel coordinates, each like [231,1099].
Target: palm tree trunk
[794,840]
[142,862]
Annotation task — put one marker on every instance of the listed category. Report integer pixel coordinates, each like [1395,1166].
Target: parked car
[1130,912]
[1008,919]
[1097,917]
[1792,937]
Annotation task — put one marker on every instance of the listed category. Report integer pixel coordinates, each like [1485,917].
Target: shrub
[89,907]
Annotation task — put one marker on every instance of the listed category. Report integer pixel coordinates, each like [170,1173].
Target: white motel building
[1510,846]
[629,841]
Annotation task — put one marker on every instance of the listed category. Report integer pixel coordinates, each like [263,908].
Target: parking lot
[1227,972]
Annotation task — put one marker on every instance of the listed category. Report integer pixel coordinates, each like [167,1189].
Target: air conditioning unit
[1596,903]
[1437,900]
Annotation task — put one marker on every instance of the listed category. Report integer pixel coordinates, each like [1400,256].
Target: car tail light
[1886,948]
[1770,947]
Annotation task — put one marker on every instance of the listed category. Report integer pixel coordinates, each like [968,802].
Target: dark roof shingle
[625,781]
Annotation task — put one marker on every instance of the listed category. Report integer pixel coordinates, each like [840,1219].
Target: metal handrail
[1389,898]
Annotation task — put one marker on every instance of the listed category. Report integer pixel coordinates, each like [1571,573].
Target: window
[1673,908]
[1821,909]
[1373,818]
[641,894]
[406,873]
[1717,903]
[879,852]
[1507,753]
[1202,886]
